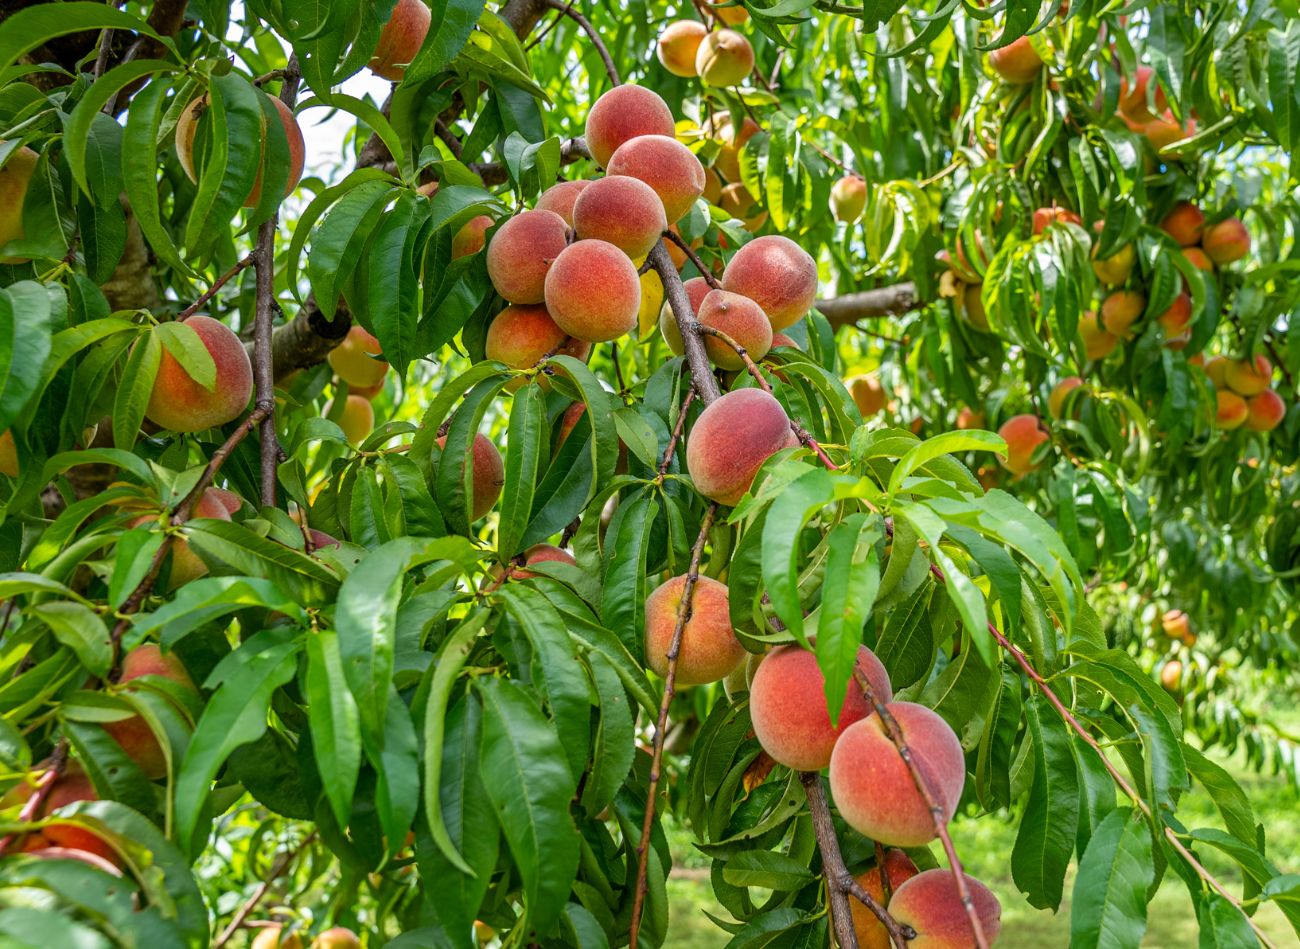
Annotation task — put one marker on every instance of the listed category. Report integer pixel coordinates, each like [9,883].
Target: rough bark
[870,304]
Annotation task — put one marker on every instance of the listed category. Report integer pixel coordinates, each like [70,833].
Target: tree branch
[702,377]
[277,870]
[494,172]
[868,304]
[240,265]
[694,258]
[44,785]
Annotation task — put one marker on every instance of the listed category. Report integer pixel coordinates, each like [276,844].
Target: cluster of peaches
[720,57]
[870,782]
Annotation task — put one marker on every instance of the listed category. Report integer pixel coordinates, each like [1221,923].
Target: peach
[778,275]
[1230,410]
[712,186]
[1120,310]
[720,129]
[8,454]
[740,203]
[337,938]
[969,418]
[622,211]
[899,868]
[1163,131]
[178,403]
[1054,215]
[1249,376]
[274,937]
[188,125]
[972,307]
[15,178]
[487,476]
[522,334]
[728,11]
[186,565]
[678,45]
[231,501]
[1171,676]
[1023,434]
[320,539]
[697,288]
[869,394]
[780,339]
[1199,259]
[357,418]
[730,441]
[400,39]
[1184,223]
[560,198]
[69,787]
[1133,101]
[133,734]
[667,166]
[1226,241]
[521,253]
[353,359]
[624,113]
[740,318]
[1175,320]
[1115,269]
[787,704]
[1018,62]
[1056,400]
[709,647]
[873,788]
[593,291]
[471,237]
[1216,367]
[652,299]
[543,553]
[724,58]
[931,904]
[1265,411]
[848,198]
[1176,624]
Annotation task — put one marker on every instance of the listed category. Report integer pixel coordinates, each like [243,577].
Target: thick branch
[522,15]
[701,374]
[494,172]
[306,339]
[868,304]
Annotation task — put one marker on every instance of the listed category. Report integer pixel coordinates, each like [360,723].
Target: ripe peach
[269,937]
[1120,310]
[870,932]
[873,788]
[1115,269]
[740,318]
[623,113]
[1199,259]
[543,553]
[848,198]
[931,904]
[728,14]
[787,704]
[593,291]
[667,166]
[15,177]
[337,938]
[622,211]
[352,359]
[522,334]
[697,288]
[188,125]
[780,339]
[1054,215]
[1216,367]
[560,198]
[1171,676]
[712,186]
[178,403]
[1056,400]
[740,203]
[709,649]
[1184,223]
[1176,625]
[725,58]
[730,441]
[357,418]
[471,237]
[969,418]
[1249,376]
[1175,320]
[71,786]
[133,734]
[521,253]
[720,129]
[1018,62]
[678,45]
[1226,241]
[8,454]
[487,476]
[778,275]
[1230,410]
[1133,101]
[400,39]
[185,563]
[1023,434]
[1265,411]
[869,394]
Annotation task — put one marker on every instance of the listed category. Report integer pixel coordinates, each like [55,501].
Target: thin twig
[542,34]
[696,356]
[677,432]
[734,345]
[566,9]
[44,785]
[277,870]
[1277,361]
[444,134]
[618,369]
[242,264]
[694,258]
[661,726]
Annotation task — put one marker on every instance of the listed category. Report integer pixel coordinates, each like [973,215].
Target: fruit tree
[452,452]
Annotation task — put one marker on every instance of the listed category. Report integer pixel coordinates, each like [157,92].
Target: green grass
[985,846]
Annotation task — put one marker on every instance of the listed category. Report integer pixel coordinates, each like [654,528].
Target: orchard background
[520,474]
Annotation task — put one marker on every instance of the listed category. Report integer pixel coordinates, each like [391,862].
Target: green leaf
[335,723]
[782,553]
[946,444]
[183,342]
[1047,830]
[140,172]
[615,749]
[1116,872]
[772,871]
[526,441]
[202,601]
[529,784]
[136,387]
[80,629]
[389,270]
[849,588]
[76,130]
[304,578]
[231,127]
[451,25]
[33,27]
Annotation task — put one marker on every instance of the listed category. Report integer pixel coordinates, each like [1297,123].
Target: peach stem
[44,785]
